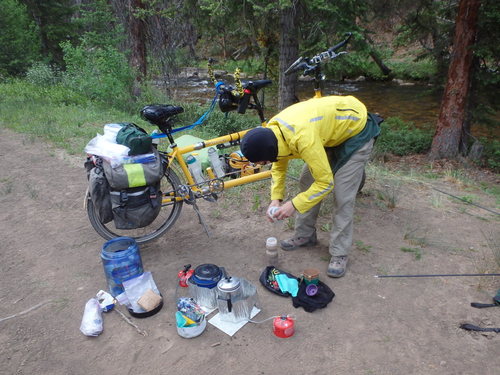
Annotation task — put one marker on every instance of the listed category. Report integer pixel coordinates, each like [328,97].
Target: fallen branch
[124,317]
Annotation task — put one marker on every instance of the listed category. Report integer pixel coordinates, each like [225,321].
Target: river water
[410,102]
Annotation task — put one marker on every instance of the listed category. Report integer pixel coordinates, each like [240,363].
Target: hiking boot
[296,242]
[337,266]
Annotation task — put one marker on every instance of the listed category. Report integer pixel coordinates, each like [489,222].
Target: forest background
[80,63]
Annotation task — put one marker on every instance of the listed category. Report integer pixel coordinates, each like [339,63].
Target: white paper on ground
[207,310]
[228,327]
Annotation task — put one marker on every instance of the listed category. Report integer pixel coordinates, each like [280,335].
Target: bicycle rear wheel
[169,213]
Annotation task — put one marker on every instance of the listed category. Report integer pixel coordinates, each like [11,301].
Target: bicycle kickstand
[186,191]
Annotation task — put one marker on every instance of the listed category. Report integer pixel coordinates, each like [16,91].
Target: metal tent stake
[440,275]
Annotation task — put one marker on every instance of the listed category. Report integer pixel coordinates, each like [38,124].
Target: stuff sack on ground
[99,191]
[320,299]
[136,207]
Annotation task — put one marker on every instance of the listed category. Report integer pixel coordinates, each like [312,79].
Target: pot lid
[209,272]
[228,284]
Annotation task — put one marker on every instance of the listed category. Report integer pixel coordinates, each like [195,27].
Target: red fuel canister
[184,275]
[283,326]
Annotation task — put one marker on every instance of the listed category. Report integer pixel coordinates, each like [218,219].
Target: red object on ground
[183,276]
[283,326]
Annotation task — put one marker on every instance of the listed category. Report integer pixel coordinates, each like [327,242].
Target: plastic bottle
[194,166]
[272,250]
[213,156]
[271,212]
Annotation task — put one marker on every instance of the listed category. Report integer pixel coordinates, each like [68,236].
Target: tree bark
[289,49]
[449,137]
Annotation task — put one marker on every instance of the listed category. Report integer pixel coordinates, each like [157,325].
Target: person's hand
[274,203]
[285,211]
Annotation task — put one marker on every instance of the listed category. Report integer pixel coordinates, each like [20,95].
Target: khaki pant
[347,181]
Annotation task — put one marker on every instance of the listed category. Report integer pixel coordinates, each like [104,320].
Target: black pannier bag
[99,191]
[136,207]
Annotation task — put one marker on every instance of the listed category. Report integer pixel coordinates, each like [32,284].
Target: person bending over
[334,135]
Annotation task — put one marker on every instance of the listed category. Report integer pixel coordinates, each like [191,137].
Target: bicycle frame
[178,152]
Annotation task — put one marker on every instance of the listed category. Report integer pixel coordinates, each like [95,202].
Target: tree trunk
[289,49]
[376,57]
[137,44]
[449,136]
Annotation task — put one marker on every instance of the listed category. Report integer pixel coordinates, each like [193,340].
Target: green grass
[414,250]
[55,114]
[361,246]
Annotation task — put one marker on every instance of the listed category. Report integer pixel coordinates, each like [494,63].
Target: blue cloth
[287,284]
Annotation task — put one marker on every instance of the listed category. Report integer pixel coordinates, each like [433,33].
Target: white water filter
[194,166]
[213,156]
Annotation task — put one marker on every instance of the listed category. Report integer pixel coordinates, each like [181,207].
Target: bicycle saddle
[160,114]
[258,84]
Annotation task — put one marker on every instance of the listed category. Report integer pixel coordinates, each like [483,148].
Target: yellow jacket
[303,131]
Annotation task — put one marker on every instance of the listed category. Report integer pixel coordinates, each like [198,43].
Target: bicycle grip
[341,44]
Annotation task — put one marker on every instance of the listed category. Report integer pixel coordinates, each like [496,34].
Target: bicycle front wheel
[169,213]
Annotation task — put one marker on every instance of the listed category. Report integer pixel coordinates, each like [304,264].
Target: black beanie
[259,144]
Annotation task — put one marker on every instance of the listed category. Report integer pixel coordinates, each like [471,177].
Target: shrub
[43,74]
[423,69]
[101,73]
[491,157]
[403,138]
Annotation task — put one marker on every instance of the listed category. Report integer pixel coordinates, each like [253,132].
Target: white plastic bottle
[271,212]
[194,166]
[213,156]
[272,250]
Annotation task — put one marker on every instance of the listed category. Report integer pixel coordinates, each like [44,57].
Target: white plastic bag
[92,318]
[111,131]
[136,287]
[103,147]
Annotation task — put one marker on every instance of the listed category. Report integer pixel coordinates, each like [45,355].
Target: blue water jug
[122,261]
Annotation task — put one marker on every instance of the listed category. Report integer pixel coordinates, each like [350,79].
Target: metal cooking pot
[202,284]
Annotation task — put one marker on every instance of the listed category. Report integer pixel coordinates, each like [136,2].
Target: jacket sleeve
[312,151]
[278,174]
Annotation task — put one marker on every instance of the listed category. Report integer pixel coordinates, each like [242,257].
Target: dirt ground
[51,266]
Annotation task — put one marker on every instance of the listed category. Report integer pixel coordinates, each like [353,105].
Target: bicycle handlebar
[307,66]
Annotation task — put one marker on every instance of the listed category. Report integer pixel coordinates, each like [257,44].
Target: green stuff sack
[135,138]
